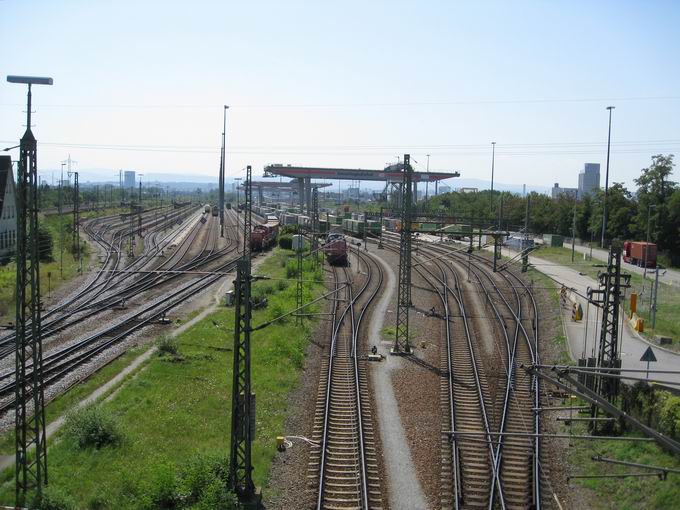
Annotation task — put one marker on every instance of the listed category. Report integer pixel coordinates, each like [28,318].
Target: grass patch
[172,412]
[57,407]
[623,493]
[668,298]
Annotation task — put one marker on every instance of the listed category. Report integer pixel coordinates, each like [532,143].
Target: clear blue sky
[346,84]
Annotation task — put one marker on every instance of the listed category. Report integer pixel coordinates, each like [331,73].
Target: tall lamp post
[30,473]
[493,164]
[649,217]
[606,179]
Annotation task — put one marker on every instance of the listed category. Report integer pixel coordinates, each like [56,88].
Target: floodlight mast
[30,437]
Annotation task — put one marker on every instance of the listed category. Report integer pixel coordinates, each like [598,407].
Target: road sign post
[649,357]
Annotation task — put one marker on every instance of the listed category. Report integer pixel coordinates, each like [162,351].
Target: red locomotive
[634,253]
[335,249]
[264,236]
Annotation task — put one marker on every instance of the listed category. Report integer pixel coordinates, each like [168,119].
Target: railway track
[489,469]
[58,363]
[344,472]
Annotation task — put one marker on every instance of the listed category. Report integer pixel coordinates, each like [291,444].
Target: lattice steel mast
[315,224]
[30,440]
[401,341]
[608,296]
[242,399]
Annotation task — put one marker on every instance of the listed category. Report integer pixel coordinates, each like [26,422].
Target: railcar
[335,249]
[264,236]
[215,210]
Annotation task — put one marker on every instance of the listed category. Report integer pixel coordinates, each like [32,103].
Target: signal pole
[76,213]
[30,437]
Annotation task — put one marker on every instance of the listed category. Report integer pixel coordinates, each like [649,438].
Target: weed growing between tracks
[176,413]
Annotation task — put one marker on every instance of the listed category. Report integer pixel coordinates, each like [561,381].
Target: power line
[363,105]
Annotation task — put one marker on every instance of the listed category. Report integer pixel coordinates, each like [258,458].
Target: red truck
[634,253]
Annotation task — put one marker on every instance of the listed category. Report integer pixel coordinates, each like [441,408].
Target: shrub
[92,426]
[286,242]
[291,268]
[201,484]
[54,498]
[45,243]
[167,345]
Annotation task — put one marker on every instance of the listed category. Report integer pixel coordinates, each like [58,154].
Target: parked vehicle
[634,253]
[206,209]
[228,205]
[215,210]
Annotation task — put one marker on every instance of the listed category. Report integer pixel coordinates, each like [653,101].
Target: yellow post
[633,303]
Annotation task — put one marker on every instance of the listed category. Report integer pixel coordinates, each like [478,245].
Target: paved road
[632,345]
[671,276]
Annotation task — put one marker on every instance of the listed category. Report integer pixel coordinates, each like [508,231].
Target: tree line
[655,203]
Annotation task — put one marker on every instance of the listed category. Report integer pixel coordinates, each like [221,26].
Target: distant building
[444,189]
[557,191]
[129,181]
[588,179]
[8,209]
[468,190]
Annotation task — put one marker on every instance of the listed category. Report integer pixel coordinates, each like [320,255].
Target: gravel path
[404,490]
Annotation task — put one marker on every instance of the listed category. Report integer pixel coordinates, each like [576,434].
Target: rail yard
[431,264]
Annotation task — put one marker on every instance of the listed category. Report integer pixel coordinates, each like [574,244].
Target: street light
[493,162]
[606,179]
[649,217]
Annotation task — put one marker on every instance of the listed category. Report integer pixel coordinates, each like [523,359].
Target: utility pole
[243,399]
[401,341]
[298,287]
[76,213]
[315,225]
[573,235]
[606,179]
[649,218]
[525,251]
[223,164]
[493,164]
[61,222]
[30,438]
[656,290]
[608,297]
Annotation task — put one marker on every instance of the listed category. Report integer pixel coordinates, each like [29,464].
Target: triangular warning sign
[648,355]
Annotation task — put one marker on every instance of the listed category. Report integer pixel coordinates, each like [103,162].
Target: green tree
[655,190]
[46,244]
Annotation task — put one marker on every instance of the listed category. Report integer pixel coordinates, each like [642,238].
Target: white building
[129,181]
[588,179]
[8,209]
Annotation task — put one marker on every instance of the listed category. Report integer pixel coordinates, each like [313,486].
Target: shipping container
[640,253]
[553,240]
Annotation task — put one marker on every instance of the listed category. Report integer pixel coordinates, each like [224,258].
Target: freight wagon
[215,210]
[637,252]
[206,209]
